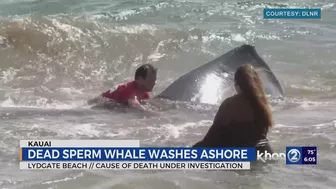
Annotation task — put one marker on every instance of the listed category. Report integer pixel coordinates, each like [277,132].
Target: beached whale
[212,82]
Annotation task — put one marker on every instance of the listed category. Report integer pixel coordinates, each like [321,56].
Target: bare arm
[133,102]
[95,100]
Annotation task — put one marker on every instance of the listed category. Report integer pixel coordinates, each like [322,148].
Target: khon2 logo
[294,155]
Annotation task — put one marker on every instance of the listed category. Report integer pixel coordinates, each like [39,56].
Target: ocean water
[56,54]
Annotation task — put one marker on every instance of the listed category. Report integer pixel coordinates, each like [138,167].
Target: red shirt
[124,92]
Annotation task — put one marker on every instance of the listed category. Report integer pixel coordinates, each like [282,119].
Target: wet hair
[252,88]
[143,71]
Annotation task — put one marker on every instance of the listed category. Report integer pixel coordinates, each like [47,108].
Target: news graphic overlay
[128,155]
[303,13]
[305,155]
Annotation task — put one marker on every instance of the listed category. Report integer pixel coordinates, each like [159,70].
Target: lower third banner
[113,155]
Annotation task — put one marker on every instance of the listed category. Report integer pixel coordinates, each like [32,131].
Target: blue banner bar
[138,154]
[292,13]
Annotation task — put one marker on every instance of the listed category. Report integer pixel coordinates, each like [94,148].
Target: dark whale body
[211,83]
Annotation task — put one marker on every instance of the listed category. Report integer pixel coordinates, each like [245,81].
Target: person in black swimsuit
[244,119]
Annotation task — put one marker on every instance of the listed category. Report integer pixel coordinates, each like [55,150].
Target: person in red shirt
[132,93]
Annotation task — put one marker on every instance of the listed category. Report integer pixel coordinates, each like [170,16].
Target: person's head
[145,76]
[248,83]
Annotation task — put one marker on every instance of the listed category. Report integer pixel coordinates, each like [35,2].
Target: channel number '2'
[294,155]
